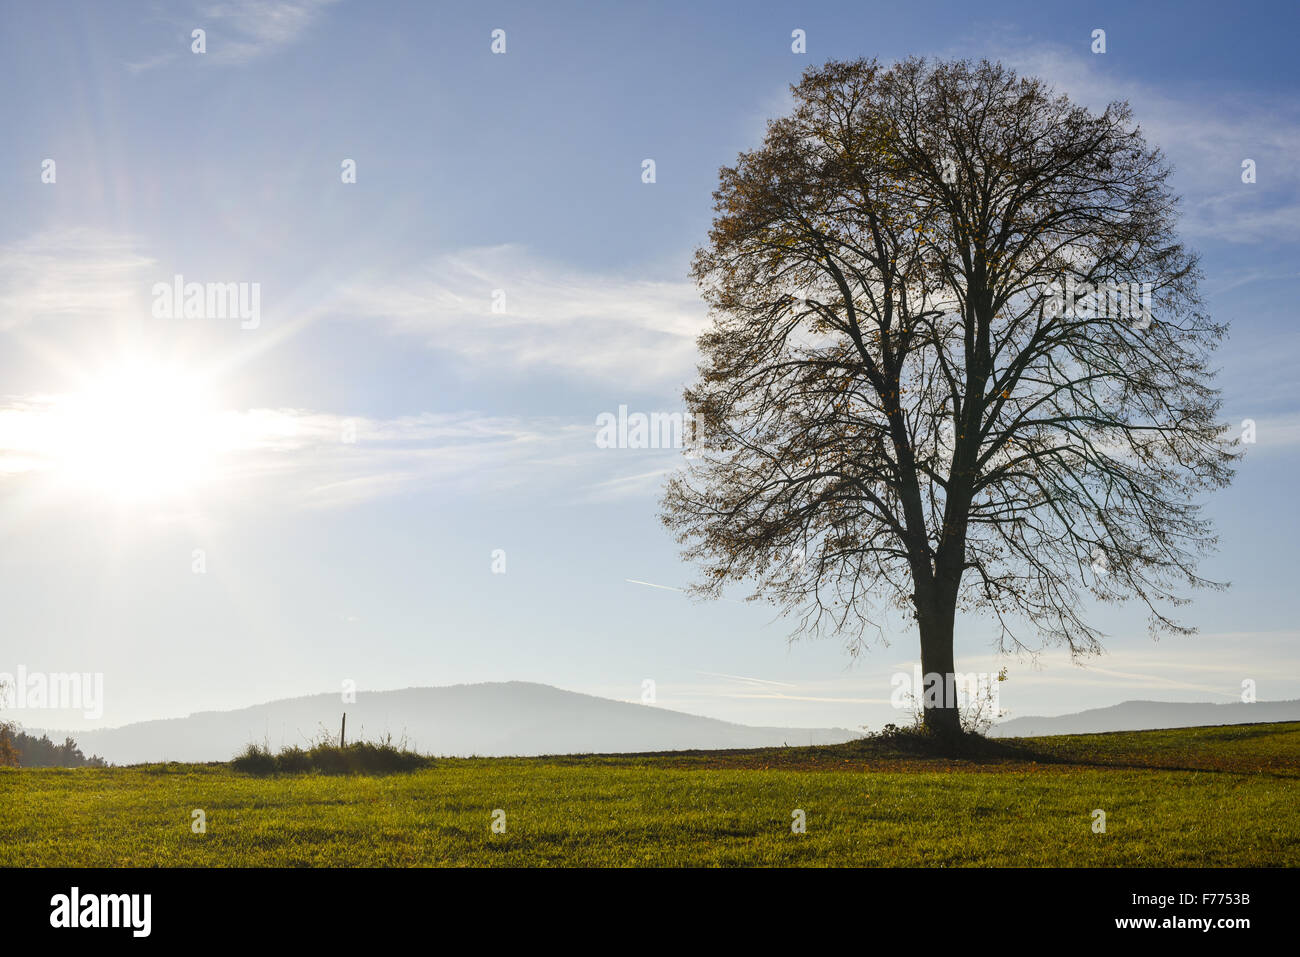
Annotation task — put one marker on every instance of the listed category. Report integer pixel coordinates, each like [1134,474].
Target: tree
[19,748]
[925,385]
[8,749]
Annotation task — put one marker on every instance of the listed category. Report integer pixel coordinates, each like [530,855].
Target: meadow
[1217,796]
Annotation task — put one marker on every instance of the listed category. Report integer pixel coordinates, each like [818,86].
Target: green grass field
[1202,796]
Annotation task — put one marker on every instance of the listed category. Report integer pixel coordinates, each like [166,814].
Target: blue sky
[371,560]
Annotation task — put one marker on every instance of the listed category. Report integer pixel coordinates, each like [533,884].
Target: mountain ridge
[1142,715]
[489,719]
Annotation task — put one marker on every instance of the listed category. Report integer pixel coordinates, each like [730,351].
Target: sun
[141,430]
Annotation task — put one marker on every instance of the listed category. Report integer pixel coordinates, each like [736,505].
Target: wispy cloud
[1272,433]
[1206,137]
[240,31]
[262,26]
[71,273]
[559,320]
[323,459]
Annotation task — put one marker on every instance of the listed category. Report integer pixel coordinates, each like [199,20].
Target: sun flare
[140,430]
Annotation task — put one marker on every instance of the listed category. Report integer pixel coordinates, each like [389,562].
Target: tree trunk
[940,701]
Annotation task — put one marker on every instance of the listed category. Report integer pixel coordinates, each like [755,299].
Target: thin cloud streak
[634,333]
[1206,137]
[240,31]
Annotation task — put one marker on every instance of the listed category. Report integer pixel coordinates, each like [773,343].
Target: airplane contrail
[637,581]
[653,585]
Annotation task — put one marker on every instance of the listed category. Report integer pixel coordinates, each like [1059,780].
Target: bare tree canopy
[957,359]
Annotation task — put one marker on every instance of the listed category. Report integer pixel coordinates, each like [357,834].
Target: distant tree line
[19,749]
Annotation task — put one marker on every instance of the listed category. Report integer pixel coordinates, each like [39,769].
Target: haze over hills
[1148,715]
[523,718]
[491,719]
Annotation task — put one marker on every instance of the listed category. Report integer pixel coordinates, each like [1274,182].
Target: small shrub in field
[255,759]
[360,757]
[293,760]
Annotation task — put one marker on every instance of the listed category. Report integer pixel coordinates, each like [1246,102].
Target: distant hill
[1148,715]
[493,719]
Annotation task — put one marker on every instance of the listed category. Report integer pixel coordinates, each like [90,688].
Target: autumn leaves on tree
[914,394]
